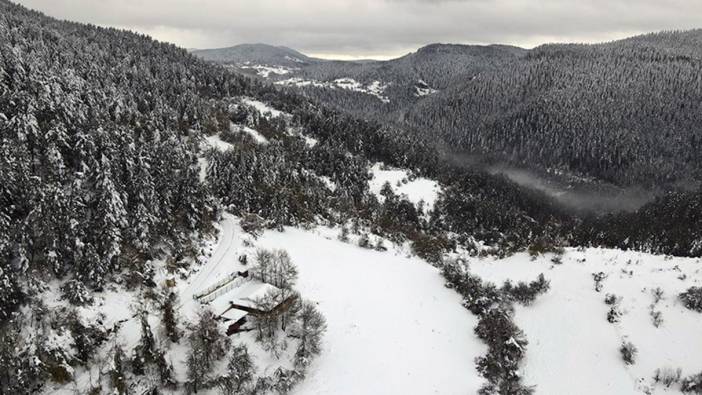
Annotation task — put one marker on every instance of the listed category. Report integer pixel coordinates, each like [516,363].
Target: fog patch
[589,196]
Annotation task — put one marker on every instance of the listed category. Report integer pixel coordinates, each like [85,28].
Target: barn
[235,306]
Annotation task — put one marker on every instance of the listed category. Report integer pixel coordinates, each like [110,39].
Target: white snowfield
[375,88]
[393,328]
[265,71]
[573,349]
[263,108]
[415,190]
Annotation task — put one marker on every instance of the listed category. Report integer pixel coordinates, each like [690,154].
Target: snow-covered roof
[244,295]
[251,291]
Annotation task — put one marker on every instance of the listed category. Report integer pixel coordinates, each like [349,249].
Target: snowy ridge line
[228,280]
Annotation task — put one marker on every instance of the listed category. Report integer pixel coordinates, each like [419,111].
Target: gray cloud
[379,28]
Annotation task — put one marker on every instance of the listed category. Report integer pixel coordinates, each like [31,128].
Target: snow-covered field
[375,88]
[263,108]
[573,349]
[265,71]
[393,328]
[418,189]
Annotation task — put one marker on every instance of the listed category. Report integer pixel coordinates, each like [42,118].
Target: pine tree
[168,319]
[118,379]
[109,219]
[240,372]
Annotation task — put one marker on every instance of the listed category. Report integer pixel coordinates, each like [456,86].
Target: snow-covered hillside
[416,189]
[393,328]
[573,349]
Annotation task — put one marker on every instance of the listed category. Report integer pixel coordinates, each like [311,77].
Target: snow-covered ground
[376,304]
[300,82]
[418,189]
[375,88]
[393,328]
[573,349]
[265,71]
[263,108]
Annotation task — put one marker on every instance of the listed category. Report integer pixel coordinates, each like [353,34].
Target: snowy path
[219,264]
[393,328]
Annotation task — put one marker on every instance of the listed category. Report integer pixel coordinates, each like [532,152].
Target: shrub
[614,314]
[611,299]
[599,278]
[667,376]
[657,318]
[430,248]
[545,245]
[364,241]
[628,351]
[252,224]
[692,384]
[506,348]
[526,293]
[692,298]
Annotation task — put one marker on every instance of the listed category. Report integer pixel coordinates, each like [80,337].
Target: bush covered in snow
[526,293]
[667,376]
[252,224]
[430,248]
[692,298]
[692,384]
[628,351]
[614,314]
[506,348]
[506,342]
[544,245]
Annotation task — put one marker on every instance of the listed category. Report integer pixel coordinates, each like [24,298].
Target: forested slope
[625,112]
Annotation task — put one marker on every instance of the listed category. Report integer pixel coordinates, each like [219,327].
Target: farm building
[234,306]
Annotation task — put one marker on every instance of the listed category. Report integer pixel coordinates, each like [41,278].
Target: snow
[262,107]
[310,141]
[217,143]
[247,294]
[258,137]
[300,82]
[393,328]
[375,88]
[422,89]
[328,182]
[572,347]
[418,189]
[376,303]
[265,71]
[294,59]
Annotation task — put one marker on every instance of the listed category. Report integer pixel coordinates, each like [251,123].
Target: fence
[220,287]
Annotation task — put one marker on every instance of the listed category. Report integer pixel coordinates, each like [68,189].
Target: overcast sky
[378,28]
